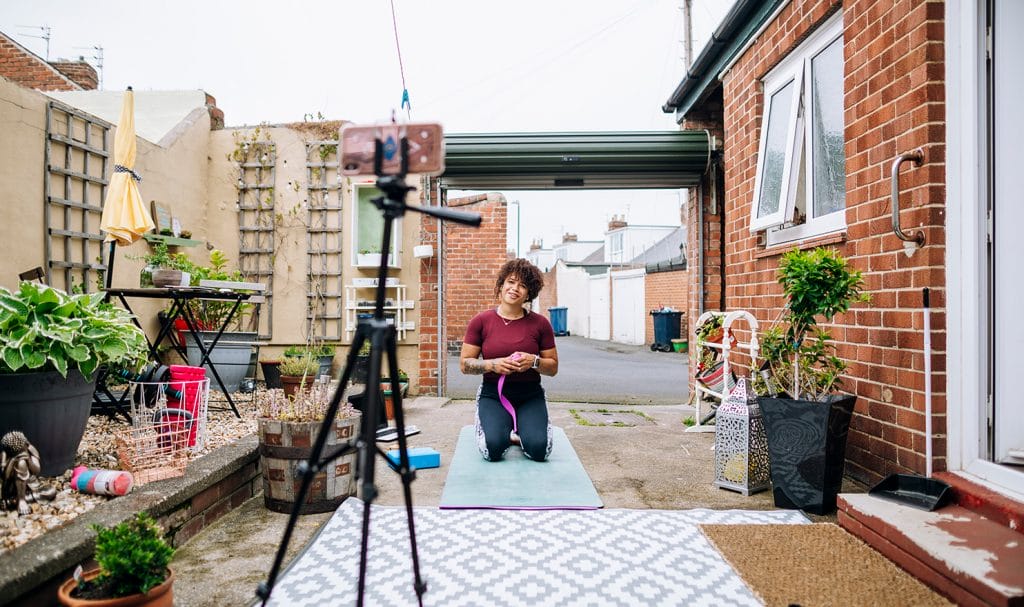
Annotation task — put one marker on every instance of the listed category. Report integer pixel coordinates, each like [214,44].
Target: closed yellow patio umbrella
[125,217]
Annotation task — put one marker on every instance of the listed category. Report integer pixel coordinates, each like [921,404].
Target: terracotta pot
[159,596]
[291,383]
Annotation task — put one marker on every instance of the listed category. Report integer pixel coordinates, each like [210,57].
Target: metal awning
[576,160]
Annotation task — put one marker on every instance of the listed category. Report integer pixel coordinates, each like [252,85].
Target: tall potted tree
[51,345]
[806,417]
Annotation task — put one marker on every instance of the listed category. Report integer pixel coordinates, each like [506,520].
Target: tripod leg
[368,442]
[404,469]
[309,468]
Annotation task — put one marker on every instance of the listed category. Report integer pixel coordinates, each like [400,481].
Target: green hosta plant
[133,558]
[818,283]
[43,329]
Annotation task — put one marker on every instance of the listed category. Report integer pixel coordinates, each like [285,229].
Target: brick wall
[473,257]
[670,289]
[428,328]
[23,67]
[894,102]
[548,297]
[83,74]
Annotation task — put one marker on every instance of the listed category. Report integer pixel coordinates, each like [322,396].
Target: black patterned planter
[807,445]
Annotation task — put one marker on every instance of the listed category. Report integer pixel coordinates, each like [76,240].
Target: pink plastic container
[190,382]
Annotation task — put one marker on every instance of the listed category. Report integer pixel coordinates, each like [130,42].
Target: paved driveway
[601,372]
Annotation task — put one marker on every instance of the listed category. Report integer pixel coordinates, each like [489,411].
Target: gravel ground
[98,451]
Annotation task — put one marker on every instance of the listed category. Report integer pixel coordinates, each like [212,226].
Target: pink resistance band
[506,403]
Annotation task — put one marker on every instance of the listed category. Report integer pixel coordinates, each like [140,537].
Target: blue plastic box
[419,457]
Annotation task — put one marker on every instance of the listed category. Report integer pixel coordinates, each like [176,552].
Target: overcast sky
[472,65]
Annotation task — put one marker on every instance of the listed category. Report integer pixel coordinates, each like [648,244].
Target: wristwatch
[536,362]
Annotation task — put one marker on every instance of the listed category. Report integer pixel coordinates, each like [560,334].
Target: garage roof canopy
[576,160]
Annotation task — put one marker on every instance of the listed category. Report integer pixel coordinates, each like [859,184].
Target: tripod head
[392,204]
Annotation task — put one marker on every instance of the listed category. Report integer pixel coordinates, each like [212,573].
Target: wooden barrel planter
[284,445]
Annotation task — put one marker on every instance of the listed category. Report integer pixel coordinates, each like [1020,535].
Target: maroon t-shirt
[531,334]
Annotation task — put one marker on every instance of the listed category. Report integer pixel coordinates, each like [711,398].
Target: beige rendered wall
[23,128]
[290,266]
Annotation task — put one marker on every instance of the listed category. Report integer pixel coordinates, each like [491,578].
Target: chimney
[617,222]
[568,238]
[535,246]
[216,114]
[78,71]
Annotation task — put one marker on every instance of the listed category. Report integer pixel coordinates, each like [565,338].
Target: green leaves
[818,283]
[133,556]
[44,328]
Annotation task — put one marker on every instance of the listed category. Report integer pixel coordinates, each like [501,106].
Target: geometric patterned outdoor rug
[514,558]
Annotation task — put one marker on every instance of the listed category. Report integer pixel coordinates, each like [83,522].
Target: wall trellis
[75,156]
[324,292]
[257,222]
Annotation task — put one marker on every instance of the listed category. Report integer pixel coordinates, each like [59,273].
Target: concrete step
[970,559]
[994,506]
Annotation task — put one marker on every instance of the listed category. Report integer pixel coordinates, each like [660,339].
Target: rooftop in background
[157,113]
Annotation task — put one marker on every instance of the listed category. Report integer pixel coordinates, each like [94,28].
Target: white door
[1007,132]
[628,307]
[600,325]
[983,422]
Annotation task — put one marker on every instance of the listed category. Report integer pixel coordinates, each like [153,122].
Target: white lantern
[741,449]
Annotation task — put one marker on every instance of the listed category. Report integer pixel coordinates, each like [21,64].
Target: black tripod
[382,338]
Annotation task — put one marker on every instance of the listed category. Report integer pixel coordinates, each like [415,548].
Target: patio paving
[655,466]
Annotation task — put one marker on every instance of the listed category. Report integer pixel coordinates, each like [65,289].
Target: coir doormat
[818,564]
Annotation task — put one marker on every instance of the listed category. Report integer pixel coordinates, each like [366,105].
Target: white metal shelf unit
[725,346]
[359,298]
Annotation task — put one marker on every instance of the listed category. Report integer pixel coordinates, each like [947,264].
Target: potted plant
[288,427]
[51,346]
[368,257]
[806,418]
[163,268]
[323,352]
[271,368]
[298,371]
[133,559]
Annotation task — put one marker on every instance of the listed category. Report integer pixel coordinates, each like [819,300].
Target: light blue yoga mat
[515,482]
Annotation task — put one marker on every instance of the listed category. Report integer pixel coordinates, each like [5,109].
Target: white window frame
[796,69]
[616,244]
[361,260]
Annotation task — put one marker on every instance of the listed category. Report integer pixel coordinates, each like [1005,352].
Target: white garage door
[628,307]
[600,318]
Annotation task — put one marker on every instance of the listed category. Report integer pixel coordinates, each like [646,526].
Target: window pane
[774,151]
[829,158]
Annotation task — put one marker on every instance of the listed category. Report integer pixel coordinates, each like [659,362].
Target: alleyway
[601,372]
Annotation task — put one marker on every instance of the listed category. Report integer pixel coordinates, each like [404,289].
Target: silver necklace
[508,321]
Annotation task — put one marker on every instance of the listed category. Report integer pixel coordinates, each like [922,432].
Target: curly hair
[526,272]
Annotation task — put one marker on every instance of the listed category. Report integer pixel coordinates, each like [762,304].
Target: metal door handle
[917,157]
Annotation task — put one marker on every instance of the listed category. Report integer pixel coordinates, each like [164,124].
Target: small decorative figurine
[19,464]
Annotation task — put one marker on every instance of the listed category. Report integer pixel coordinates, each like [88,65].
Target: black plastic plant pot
[807,445]
[52,412]
[271,373]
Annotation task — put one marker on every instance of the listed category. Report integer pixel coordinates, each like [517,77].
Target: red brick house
[813,101]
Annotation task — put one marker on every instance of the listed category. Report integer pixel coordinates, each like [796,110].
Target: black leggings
[494,424]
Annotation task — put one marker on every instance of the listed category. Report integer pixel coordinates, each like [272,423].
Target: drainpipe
[442,346]
[700,248]
[721,235]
